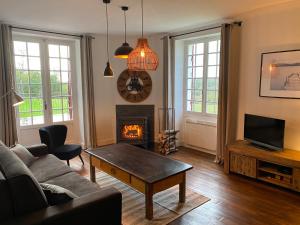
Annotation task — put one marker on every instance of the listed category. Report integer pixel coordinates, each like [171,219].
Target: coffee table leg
[149,201]
[92,171]
[182,188]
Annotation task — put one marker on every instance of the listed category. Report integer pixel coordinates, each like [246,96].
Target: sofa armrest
[38,150]
[99,208]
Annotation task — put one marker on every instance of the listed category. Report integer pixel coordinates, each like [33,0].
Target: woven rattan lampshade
[142,57]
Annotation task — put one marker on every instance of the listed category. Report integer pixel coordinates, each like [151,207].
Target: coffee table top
[145,165]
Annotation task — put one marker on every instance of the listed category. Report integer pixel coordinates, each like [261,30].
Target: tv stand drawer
[244,165]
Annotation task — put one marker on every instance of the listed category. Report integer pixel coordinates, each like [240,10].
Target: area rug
[166,207]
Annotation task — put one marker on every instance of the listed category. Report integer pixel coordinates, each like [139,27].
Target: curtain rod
[49,32]
[205,29]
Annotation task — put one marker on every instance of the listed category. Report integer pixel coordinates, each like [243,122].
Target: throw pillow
[23,154]
[57,195]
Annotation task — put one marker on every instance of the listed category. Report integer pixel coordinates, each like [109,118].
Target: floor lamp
[16,98]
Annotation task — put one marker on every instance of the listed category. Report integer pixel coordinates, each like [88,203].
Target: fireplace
[135,125]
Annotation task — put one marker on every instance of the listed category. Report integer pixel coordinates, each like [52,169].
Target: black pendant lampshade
[108,71]
[123,51]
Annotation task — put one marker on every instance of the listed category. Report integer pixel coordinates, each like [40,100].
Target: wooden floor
[235,200]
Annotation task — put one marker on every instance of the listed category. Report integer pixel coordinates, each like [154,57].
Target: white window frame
[44,57]
[205,39]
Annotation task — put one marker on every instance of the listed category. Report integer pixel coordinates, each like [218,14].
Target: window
[43,78]
[202,75]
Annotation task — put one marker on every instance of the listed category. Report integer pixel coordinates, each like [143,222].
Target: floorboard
[235,200]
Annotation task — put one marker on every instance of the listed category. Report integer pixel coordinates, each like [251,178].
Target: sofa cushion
[6,207]
[26,193]
[57,195]
[48,167]
[74,182]
[23,154]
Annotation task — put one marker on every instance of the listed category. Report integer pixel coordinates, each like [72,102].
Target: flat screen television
[265,132]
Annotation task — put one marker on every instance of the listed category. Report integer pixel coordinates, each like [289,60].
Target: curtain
[8,132]
[168,83]
[90,134]
[166,74]
[228,88]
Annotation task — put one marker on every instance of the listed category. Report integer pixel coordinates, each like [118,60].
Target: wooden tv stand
[281,168]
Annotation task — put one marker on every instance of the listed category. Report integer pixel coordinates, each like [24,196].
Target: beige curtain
[168,82]
[90,134]
[8,129]
[166,75]
[228,88]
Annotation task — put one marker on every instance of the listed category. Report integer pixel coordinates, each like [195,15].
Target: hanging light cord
[107,34]
[125,26]
[142,18]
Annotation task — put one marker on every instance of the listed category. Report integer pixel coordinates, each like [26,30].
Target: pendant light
[142,57]
[123,51]
[108,71]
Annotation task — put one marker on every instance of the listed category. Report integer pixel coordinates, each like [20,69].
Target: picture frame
[280,74]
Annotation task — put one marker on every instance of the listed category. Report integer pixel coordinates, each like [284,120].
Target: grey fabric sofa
[22,200]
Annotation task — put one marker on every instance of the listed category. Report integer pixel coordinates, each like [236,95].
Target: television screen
[264,131]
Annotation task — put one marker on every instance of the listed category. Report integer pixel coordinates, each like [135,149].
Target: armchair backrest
[53,136]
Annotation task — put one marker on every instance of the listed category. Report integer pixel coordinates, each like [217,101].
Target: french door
[44,77]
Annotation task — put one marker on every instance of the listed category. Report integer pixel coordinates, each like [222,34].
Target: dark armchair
[54,137]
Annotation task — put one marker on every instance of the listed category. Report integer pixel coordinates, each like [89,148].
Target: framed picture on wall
[280,74]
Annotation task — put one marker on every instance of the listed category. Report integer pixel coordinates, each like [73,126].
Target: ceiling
[88,16]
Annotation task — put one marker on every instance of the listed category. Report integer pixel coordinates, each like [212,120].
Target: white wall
[106,93]
[270,29]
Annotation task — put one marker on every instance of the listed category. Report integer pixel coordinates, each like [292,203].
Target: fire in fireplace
[132,131]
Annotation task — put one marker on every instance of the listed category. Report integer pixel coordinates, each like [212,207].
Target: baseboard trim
[212,152]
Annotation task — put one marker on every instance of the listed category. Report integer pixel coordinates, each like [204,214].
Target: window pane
[199,60]
[219,45]
[65,77]
[213,46]
[35,77]
[53,50]
[36,90]
[218,71]
[211,108]
[21,62]
[66,89]
[211,84]
[67,102]
[189,106]
[22,77]
[37,104]
[197,107]
[68,114]
[198,95]
[200,48]
[191,61]
[189,95]
[212,71]
[55,77]
[190,84]
[211,96]
[212,59]
[34,63]
[64,51]
[25,119]
[37,118]
[55,90]
[26,106]
[191,49]
[24,90]
[199,72]
[33,49]
[198,84]
[65,64]
[56,103]
[57,115]
[20,48]
[54,64]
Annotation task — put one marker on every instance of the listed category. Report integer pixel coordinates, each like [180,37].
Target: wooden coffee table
[145,171]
